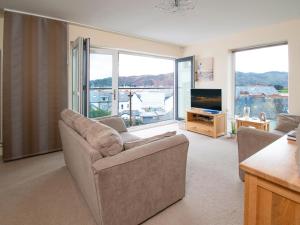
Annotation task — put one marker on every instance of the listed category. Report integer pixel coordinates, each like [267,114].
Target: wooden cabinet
[213,125]
[272,185]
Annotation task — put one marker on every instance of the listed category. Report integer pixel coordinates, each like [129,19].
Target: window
[139,88]
[146,84]
[261,81]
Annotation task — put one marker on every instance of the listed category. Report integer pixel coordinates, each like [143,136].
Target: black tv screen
[206,99]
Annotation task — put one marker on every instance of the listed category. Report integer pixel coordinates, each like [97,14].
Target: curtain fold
[34,84]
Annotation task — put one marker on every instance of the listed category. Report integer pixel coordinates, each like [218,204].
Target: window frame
[177,61]
[115,72]
[233,65]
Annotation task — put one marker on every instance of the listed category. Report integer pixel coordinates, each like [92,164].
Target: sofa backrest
[287,122]
[105,139]
[70,118]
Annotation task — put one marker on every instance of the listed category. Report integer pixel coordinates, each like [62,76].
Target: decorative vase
[246,112]
[262,116]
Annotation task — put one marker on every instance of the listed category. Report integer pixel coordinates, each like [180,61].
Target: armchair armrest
[140,182]
[114,122]
[251,141]
[287,122]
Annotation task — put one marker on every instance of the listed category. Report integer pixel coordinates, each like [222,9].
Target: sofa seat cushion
[128,137]
[104,139]
[68,116]
[136,143]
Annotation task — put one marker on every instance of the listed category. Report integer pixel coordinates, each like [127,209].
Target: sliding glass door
[184,82]
[139,88]
[103,83]
[80,74]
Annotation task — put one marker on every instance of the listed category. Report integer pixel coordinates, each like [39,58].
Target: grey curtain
[34,84]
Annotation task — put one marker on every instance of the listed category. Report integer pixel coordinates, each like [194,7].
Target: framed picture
[205,70]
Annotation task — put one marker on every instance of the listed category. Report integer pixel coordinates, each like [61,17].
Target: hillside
[162,80]
[166,80]
[269,78]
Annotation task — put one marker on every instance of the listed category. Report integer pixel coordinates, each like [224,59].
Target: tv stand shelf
[209,124]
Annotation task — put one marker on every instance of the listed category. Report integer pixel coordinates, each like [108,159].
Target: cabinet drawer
[200,129]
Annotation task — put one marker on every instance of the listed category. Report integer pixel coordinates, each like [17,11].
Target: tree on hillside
[278,87]
[94,113]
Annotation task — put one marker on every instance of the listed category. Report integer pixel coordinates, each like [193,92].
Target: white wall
[102,39]
[221,48]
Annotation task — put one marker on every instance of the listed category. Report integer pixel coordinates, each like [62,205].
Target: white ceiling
[210,18]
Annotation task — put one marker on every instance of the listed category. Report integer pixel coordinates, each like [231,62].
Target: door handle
[115,94]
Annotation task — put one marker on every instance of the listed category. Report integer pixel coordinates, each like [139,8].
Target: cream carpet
[40,191]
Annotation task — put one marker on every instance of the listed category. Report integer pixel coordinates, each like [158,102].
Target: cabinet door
[269,204]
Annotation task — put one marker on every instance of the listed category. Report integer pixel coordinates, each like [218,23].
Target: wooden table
[261,125]
[272,185]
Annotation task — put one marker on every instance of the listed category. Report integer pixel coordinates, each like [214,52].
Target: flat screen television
[210,99]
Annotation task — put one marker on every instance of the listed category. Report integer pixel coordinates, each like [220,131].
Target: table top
[251,120]
[201,111]
[279,163]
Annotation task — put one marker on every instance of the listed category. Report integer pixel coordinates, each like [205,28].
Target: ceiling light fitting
[172,6]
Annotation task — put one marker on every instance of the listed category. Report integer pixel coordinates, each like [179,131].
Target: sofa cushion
[114,122]
[144,141]
[128,137]
[104,139]
[82,124]
[287,122]
[68,116]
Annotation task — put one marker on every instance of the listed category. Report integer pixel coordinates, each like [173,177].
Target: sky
[100,66]
[257,60]
[129,65]
[263,59]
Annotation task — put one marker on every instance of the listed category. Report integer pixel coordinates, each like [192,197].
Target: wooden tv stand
[213,125]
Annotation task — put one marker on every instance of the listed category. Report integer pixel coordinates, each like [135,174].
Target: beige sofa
[131,186]
[252,140]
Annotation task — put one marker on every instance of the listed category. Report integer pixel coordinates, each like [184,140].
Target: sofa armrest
[251,141]
[114,122]
[138,183]
[287,122]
